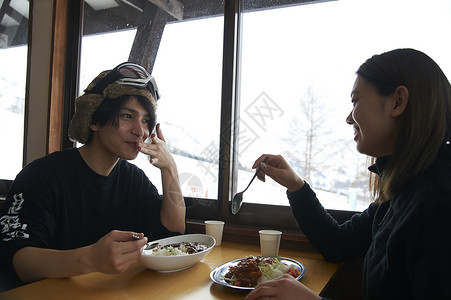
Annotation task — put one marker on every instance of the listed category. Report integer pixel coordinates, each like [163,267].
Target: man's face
[121,141]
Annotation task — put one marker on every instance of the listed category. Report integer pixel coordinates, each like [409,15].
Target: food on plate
[254,270]
[182,248]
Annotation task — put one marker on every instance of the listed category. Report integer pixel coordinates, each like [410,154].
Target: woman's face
[374,127]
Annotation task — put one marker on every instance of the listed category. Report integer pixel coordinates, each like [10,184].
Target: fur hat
[86,105]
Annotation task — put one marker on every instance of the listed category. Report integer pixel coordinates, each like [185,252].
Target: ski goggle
[126,74]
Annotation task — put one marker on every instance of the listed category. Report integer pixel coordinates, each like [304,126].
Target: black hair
[108,111]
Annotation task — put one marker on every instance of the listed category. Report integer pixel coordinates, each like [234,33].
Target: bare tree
[321,152]
[311,142]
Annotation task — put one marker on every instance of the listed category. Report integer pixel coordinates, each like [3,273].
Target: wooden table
[193,283]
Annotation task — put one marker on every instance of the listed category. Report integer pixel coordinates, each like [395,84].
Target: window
[291,76]
[298,69]
[190,80]
[13,61]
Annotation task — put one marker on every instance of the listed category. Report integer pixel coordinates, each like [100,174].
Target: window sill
[291,239]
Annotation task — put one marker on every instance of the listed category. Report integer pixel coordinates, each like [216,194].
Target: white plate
[218,272]
[177,262]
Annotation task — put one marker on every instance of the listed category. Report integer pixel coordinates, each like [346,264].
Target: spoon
[149,245]
[238,198]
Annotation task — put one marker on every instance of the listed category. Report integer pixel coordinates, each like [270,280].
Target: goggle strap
[128,74]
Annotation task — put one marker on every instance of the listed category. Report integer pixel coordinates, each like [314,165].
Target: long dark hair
[426,122]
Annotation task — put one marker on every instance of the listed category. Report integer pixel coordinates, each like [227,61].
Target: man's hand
[173,209]
[114,252]
[158,150]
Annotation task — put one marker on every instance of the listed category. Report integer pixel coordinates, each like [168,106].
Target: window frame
[6,183]
[242,227]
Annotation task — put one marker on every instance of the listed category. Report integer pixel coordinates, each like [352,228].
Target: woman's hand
[279,170]
[285,287]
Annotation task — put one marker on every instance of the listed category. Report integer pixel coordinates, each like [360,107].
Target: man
[87,209]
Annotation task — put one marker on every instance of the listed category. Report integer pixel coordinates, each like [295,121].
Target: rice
[169,251]
[183,248]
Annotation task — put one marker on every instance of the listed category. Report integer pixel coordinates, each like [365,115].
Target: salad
[254,270]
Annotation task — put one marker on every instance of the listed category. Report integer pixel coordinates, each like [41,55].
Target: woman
[402,119]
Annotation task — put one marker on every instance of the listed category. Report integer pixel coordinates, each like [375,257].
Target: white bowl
[177,262]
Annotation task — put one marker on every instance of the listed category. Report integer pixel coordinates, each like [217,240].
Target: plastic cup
[270,242]
[215,229]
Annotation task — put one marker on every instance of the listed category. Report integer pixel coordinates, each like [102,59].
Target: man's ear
[400,100]
[94,127]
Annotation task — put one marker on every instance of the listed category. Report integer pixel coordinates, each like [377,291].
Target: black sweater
[406,242]
[58,202]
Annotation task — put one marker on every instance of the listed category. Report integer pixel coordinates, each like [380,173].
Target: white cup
[270,242]
[215,229]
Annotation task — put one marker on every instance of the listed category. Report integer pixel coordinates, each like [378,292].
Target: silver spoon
[150,246]
[238,198]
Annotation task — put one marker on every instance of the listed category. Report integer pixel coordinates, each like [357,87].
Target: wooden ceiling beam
[148,36]
[172,7]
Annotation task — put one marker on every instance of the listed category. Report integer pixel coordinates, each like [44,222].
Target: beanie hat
[86,105]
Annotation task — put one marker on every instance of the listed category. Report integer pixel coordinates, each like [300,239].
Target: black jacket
[406,242]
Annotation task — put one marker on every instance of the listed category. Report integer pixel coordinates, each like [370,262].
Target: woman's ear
[400,100]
